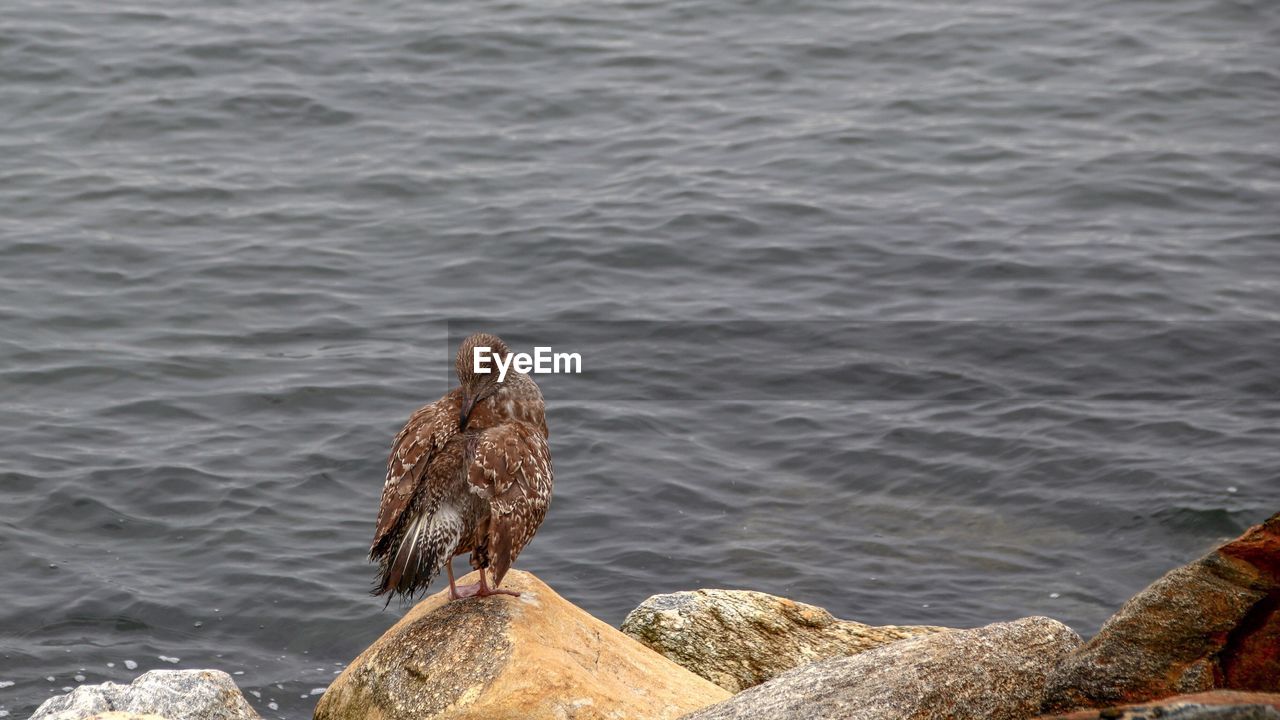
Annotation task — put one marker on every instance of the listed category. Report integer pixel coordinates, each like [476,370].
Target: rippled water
[1012,268]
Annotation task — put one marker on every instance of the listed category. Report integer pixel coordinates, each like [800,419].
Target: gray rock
[995,672]
[1225,712]
[174,694]
[1211,705]
[740,638]
[83,702]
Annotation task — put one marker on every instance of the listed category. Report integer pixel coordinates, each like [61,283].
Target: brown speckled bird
[471,472]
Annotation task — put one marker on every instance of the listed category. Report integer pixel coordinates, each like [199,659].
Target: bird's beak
[468,402]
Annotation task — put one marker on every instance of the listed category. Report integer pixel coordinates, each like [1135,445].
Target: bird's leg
[453,589]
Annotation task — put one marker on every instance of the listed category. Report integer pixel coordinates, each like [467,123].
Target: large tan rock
[741,638]
[995,672]
[1212,624]
[533,657]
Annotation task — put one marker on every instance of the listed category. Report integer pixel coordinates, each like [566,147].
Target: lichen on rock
[741,638]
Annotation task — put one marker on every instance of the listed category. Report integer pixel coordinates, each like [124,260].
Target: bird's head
[477,386]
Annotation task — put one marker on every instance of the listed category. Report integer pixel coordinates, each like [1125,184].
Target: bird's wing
[510,466]
[426,433]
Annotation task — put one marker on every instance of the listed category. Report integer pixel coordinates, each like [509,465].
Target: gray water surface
[952,312]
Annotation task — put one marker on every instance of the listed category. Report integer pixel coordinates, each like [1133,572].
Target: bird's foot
[464,591]
[479,590]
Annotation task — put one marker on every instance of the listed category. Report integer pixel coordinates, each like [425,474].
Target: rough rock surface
[741,638]
[1212,624]
[117,715]
[174,694]
[1216,705]
[995,672]
[536,657]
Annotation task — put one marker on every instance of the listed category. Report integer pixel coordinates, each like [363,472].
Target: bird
[468,473]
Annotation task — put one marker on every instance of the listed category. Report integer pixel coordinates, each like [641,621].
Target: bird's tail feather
[426,545]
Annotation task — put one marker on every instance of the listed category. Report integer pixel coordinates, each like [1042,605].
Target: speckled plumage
[463,479]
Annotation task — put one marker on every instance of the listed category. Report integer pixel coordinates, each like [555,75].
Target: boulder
[117,715]
[741,638]
[995,672]
[1211,624]
[174,694]
[1215,705]
[536,656]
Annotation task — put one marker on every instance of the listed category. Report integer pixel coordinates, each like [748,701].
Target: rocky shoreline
[1200,643]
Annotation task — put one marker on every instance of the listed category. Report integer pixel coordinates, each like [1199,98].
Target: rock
[117,715]
[740,638]
[175,694]
[536,657]
[1211,624]
[83,702]
[1215,705]
[995,672]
